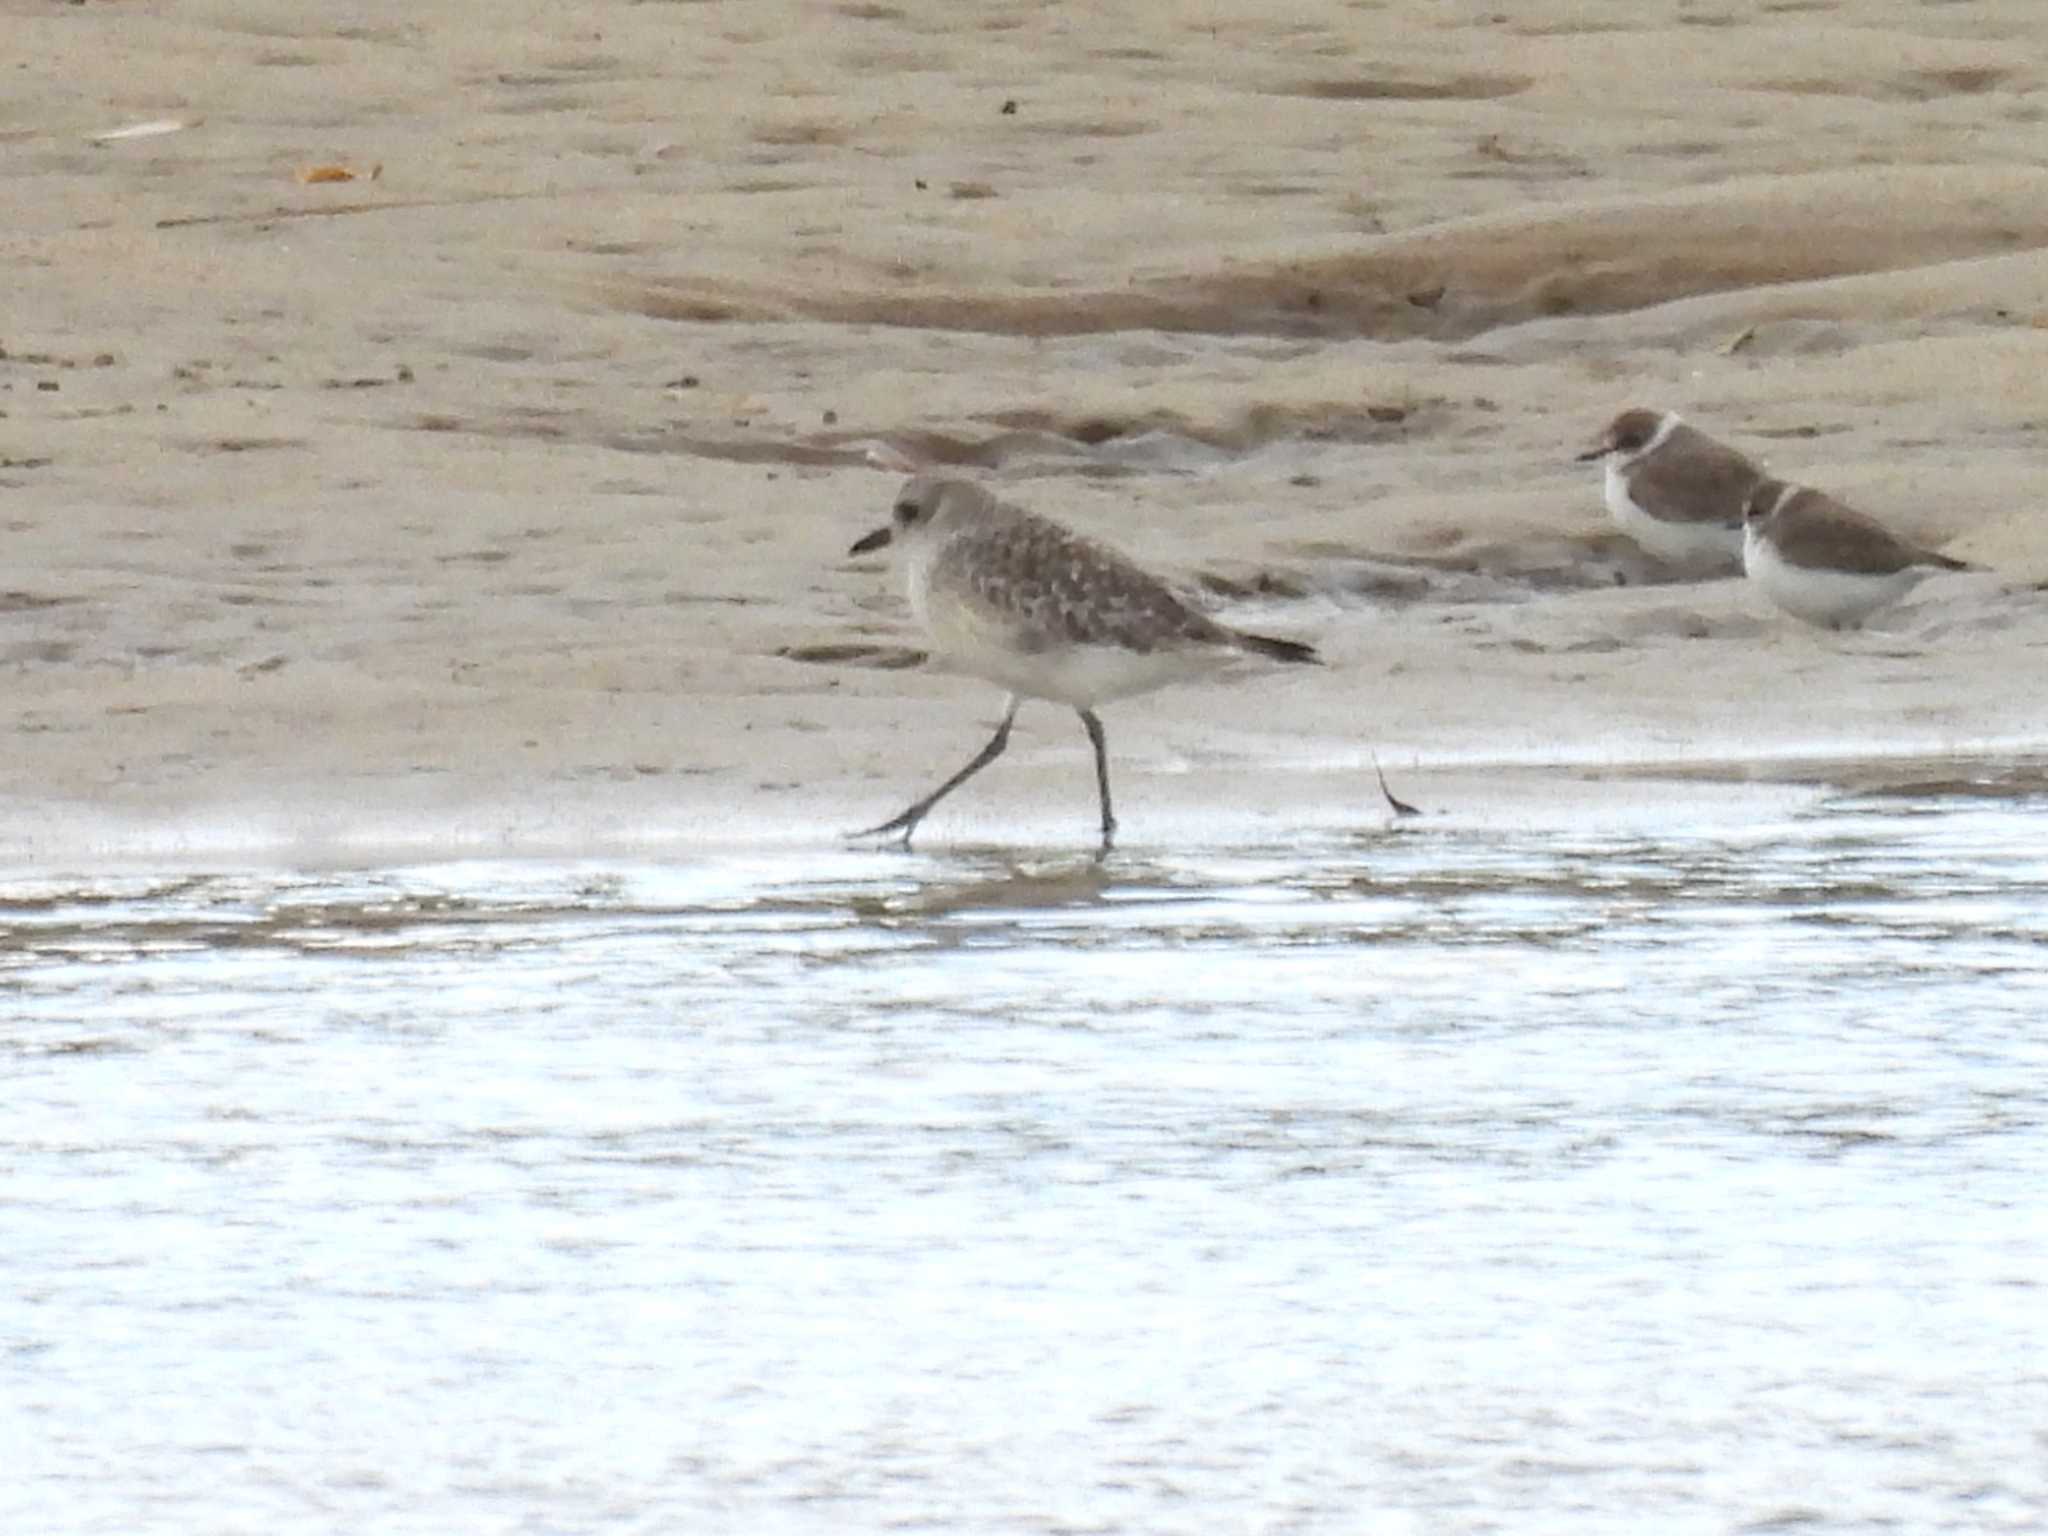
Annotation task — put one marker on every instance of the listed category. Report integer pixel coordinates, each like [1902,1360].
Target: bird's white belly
[1831,599]
[1081,676]
[967,637]
[1689,544]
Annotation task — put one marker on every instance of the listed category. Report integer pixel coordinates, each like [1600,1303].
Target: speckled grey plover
[1674,490]
[1047,613]
[1825,562]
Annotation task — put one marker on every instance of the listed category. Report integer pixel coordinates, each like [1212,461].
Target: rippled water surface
[1559,1179]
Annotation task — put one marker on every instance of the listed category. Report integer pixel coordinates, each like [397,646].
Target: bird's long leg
[1095,738]
[906,823]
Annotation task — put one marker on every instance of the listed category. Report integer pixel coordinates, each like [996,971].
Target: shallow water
[1453,1179]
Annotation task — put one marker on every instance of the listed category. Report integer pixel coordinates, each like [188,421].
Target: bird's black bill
[874,540]
[1599,451]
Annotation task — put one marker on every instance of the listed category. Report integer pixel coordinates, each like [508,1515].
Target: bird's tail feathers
[1279,650]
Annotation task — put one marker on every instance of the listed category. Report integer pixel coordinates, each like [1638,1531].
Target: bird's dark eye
[906,512]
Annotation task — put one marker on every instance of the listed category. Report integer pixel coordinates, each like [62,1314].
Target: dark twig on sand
[1400,807]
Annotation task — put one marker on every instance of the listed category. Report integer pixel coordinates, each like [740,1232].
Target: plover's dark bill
[1674,490]
[1825,562]
[1032,606]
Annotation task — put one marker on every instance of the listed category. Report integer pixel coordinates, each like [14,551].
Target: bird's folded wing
[1709,489]
[1048,588]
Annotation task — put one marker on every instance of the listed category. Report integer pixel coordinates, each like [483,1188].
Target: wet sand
[502,500]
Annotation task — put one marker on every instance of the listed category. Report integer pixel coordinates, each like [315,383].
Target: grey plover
[1036,608]
[1674,490]
[1825,562]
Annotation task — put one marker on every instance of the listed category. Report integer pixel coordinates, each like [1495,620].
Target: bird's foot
[906,824]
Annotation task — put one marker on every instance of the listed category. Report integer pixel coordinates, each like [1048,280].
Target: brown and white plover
[1825,562]
[1047,613]
[1674,490]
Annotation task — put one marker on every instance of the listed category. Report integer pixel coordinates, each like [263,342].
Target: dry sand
[501,501]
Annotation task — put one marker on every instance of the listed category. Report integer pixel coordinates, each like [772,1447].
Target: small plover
[1827,563]
[1674,490]
[1032,606]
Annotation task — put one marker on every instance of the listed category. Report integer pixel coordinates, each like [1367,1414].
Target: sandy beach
[500,499]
